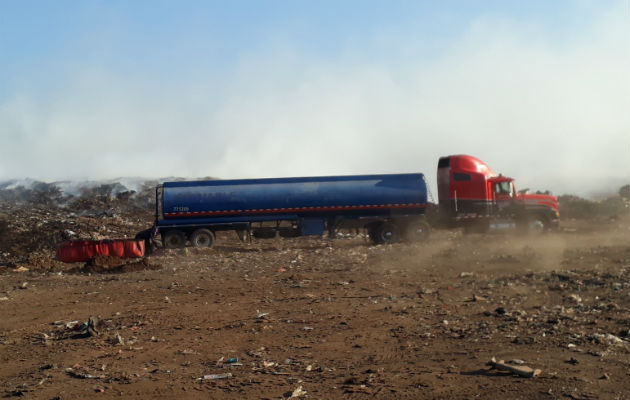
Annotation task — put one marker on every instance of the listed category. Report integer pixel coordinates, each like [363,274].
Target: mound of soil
[116,265]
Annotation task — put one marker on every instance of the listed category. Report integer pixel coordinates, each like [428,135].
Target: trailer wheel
[418,231]
[384,233]
[174,239]
[202,238]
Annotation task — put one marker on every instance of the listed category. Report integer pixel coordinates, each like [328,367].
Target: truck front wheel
[174,239]
[537,225]
[202,238]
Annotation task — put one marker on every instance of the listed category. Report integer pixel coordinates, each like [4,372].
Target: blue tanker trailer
[389,207]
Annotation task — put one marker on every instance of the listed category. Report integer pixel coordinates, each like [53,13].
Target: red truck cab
[472,195]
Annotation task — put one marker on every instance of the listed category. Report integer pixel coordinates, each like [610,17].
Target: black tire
[202,238]
[537,225]
[174,239]
[384,233]
[418,231]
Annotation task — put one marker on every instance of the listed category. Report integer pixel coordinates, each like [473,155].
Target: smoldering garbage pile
[606,209]
[35,220]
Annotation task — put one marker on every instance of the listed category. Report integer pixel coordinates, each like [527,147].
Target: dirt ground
[320,319]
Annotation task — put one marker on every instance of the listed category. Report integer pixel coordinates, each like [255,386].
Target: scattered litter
[298,392]
[478,298]
[610,340]
[523,371]
[216,376]
[82,375]
[572,361]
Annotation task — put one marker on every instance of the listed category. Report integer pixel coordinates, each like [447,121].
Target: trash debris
[476,298]
[216,376]
[500,311]
[82,375]
[523,371]
[610,340]
[298,392]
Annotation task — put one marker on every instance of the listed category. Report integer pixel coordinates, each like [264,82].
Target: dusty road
[319,319]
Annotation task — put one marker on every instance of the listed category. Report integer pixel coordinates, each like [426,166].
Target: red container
[81,251]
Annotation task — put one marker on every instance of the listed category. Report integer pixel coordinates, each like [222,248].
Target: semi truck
[388,207]
[471,195]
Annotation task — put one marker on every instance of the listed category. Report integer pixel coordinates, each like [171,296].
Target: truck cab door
[502,197]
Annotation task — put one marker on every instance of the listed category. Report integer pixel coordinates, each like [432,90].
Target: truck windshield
[503,188]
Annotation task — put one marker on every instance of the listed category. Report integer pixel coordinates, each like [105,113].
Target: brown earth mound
[116,265]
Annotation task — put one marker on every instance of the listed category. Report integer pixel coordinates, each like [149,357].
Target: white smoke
[552,114]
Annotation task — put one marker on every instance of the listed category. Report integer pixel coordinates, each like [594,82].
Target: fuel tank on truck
[362,195]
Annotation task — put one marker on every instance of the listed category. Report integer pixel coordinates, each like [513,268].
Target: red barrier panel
[81,251]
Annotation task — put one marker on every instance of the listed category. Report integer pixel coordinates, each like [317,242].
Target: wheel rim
[419,233]
[174,240]
[386,234]
[536,226]
[202,240]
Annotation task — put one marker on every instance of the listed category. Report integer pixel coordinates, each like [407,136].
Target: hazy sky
[540,90]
